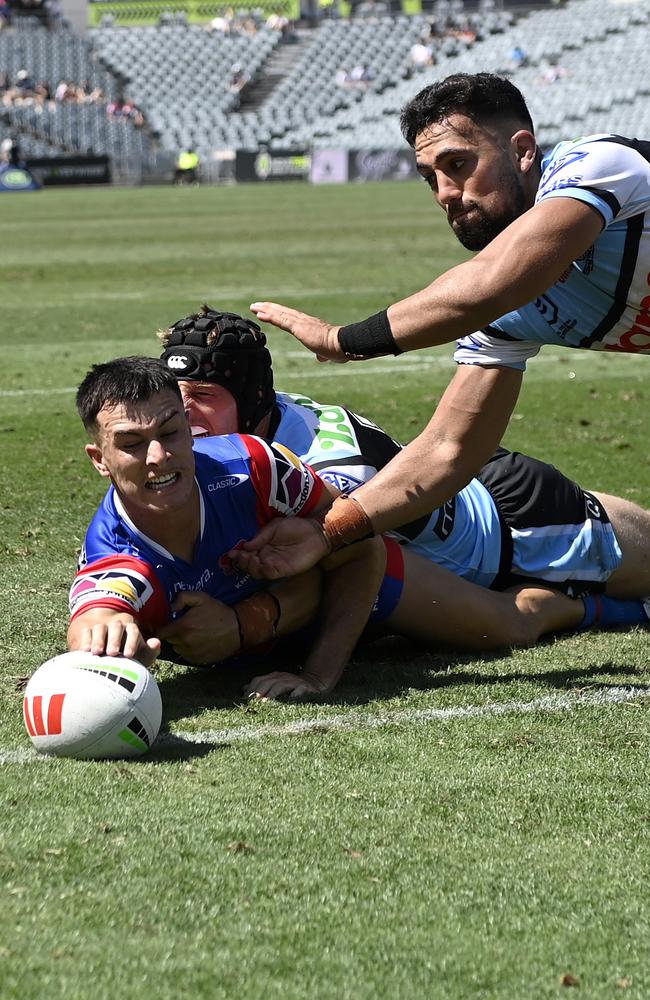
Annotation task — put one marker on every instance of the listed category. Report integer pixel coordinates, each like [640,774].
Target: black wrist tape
[371,338]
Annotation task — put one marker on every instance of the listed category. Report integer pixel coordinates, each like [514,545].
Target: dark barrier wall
[275,166]
[49,171]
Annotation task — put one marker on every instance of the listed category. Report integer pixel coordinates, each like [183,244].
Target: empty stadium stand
[338,85]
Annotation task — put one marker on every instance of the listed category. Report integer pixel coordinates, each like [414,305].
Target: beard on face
[476,231]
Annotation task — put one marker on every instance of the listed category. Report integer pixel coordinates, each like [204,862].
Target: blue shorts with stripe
[553,531]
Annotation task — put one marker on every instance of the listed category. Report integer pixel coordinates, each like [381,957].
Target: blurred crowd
[23,91]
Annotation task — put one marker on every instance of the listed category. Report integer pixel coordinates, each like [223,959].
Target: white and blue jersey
[602,301]
[519,518]
[243,483]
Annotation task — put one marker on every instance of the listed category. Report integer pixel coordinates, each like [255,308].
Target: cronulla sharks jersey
[243,483]
[344,448]
[602,301]
[464,536]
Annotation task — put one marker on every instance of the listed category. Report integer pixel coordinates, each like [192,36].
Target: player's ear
[525,148]
[94,453]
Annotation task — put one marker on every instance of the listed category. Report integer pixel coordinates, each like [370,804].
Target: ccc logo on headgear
[176,361]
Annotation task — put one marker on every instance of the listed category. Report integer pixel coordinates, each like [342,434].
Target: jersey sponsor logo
[573,156]
[333,428]
[637,338]
[125,585]
[227,481]
[563,182]
[38,723]
[293,481]
[343,483]
[177,362]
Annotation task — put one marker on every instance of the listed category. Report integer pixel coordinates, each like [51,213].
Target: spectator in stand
[5,14]
[553,71]
[421,55]
[238,78]
[518,57]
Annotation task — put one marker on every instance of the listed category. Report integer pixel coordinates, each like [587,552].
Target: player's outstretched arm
[524,261]
[105,632]
[461,436]
[351,581]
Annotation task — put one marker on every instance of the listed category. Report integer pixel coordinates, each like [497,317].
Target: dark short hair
[482,97]
[122,381]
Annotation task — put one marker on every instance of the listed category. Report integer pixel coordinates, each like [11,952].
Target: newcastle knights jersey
[602,301]
[243,483]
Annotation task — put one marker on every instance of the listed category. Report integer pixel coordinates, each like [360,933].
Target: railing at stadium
[145,12]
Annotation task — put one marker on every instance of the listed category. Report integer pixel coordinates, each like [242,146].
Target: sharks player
[563,258]
[518,524]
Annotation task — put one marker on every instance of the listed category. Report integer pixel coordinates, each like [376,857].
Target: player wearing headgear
[519,521]
[225,372]
[158,547]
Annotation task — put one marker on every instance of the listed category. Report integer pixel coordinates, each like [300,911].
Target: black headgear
[237,359]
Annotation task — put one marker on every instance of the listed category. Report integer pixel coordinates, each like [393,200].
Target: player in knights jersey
[563,257]
[154,564]
[520,520]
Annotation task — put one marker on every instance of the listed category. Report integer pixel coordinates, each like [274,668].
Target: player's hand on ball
[321,338]
[119,638]
[281,684]
[284,547]
[206,633]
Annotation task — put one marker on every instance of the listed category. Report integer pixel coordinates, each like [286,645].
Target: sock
[609,612]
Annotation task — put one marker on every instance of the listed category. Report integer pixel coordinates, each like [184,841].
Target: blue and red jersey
[243,484]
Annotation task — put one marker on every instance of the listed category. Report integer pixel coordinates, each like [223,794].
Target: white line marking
[355,721]
[412,363]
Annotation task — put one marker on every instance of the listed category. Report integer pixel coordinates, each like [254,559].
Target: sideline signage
[382,165]
[56,170]
[15,177]
[279,165]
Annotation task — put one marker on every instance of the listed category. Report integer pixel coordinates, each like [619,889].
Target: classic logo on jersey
[124,585]
[40,721]
[292,482]
[226,482]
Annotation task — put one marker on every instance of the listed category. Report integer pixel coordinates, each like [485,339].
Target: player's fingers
[86,639]
[280,316]
[259,686]
[149,652]
[253,544]
[128,643]
[98,639]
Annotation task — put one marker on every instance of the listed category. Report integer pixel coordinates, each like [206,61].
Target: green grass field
[445,826]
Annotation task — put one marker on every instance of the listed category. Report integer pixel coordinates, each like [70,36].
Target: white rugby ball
[81,705]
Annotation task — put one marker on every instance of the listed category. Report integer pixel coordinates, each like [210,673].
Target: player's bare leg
[438,607]
[632,526]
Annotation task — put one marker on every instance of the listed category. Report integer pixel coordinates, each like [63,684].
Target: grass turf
[491,856]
